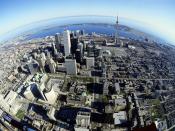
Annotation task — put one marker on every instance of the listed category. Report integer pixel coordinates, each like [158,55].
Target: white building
[28,94]
[10,102]
[80,129]
[161,125]
[61,67]
[131,47]
[89,62]
[117,88]
[106,53]
[83,119]
[39,78]
[51,113]
[38,88]
[34,91]
[120,117]
[66,42]
[41,60]
[34,88]
[71,66]
[52,65]
[50,95]
[120,102]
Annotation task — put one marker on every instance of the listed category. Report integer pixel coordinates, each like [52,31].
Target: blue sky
[158,14]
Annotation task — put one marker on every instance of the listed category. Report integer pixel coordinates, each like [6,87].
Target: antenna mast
[116,34]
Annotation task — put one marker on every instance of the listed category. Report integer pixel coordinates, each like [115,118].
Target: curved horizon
[144,27]
[156,14]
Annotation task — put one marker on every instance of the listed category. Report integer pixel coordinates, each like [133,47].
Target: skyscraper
[41,60]
[52,65]
[50,95]
[116,33]
[74,44]
[90,62]
[71,66]
[80,46]
[57,41]
[66,42]
[32,67]
[79,53]
[54,49]
[36,91]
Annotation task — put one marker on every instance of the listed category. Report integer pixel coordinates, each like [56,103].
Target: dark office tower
[81,32]
[36,91]
[76,33]
[97,51]
[34,55]
[104,42]
[79,53]
[74,45]
[57,41]
[54,50]
[62,49]
[78,56]
[48,55]
[71,35]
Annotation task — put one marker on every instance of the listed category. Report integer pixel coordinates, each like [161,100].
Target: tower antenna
[116,34]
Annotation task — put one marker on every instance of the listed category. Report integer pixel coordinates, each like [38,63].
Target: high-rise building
[32,67]
[97,51]
[43,55]
[41,60]
[28,93]
[78,56]
[90,50]
[66,42]
[51,113]
[57,41]
[89,62]
[52,65]
[71,66]
[34,54]
[50,95]
[79,53]
[80,46]
[48,55]
[74,44]
[83,120]
[82,32]
[37,91]
[55,52]
[116,33]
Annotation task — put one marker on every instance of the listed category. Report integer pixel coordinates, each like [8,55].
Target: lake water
[131,29]
[88,28]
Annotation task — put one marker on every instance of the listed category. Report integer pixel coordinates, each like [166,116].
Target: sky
[158,14]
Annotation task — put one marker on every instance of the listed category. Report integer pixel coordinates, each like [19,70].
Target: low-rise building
[89,62]
[83,120]
[120,118]
[161,125]
[10,102]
